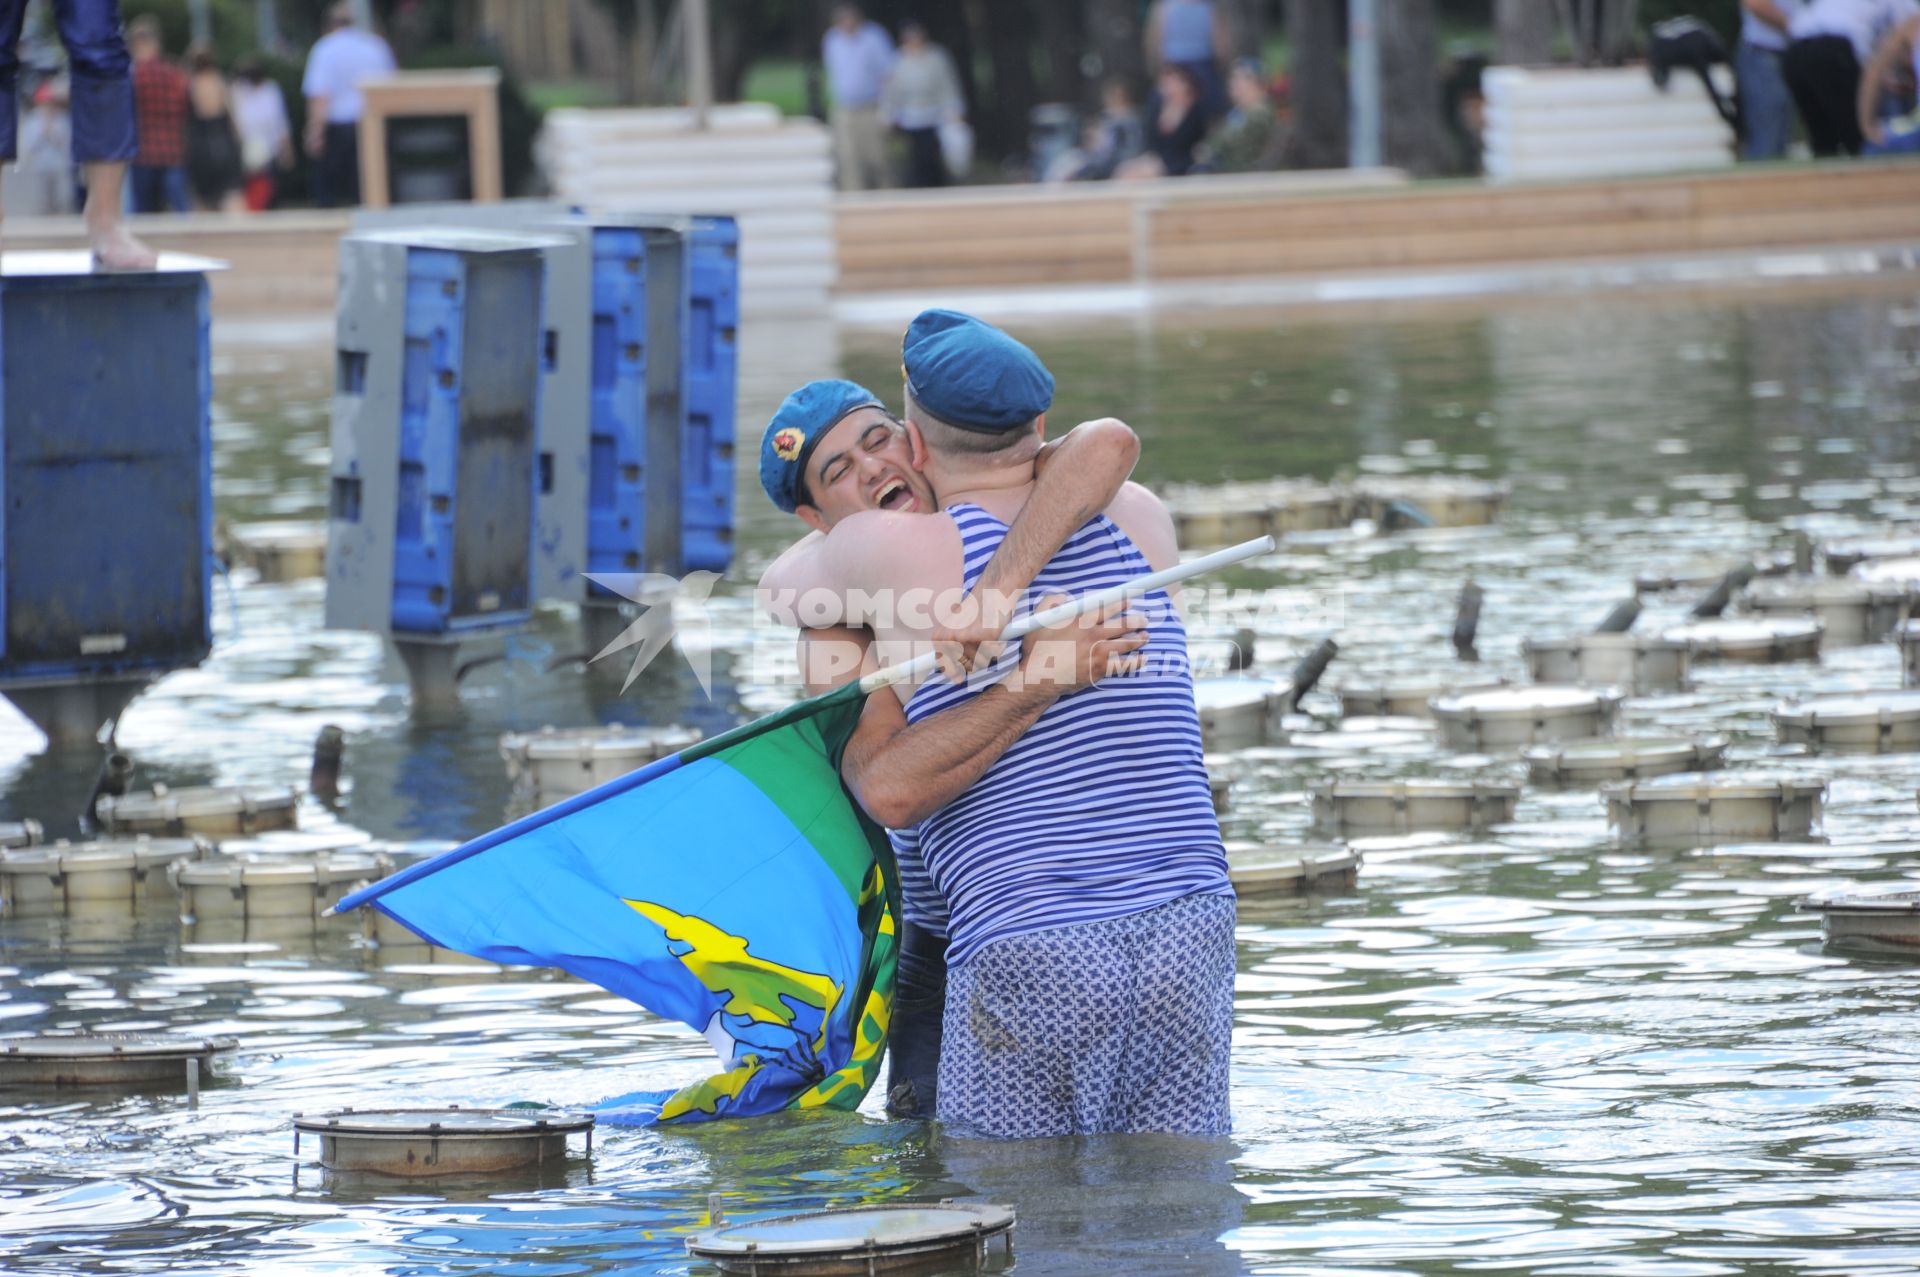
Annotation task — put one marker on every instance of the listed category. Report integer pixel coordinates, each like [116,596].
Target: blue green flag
[735,887]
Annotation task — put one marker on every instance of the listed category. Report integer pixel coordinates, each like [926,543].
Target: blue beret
[971,374]
[804,416]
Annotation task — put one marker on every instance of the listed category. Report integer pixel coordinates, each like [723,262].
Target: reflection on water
[1534,1049]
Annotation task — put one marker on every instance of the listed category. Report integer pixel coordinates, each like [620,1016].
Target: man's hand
[1079,653]
[316,138]
[972,641]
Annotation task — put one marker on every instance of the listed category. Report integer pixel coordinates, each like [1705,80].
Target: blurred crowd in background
[213,136]
[1196,119]
[922,94]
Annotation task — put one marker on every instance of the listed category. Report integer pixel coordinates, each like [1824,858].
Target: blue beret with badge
[971,375]
[803,418]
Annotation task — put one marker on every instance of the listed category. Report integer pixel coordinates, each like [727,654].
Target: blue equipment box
[660,411]
[709,377]
[617,404]
[106,549]
[637,434]
[436,432]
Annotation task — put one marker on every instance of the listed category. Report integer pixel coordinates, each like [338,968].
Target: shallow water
[1531,1050]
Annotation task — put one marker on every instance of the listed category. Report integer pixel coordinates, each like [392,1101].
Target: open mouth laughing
[895,494]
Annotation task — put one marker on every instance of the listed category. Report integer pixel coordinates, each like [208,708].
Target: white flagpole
[923,664]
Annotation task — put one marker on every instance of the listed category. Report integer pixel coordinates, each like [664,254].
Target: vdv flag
[734,886]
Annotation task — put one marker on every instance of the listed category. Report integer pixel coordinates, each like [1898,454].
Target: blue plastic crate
[617,434]
[469,435]
[709,376]
[106,547]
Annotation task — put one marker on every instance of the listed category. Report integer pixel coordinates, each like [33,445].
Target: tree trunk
[1318,79]
[1246,23]
[1060,46]
[947,27]
[1523,31]
[732,46]
[1114,34]
[636,86]
[1001,122]
[1619,36]
[597,42]
[1413,132]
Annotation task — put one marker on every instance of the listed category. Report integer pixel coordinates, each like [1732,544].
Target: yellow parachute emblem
[756,989]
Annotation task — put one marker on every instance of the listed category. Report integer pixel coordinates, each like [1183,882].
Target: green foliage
[233,28]
[561,94]
[781,81]
[519,118]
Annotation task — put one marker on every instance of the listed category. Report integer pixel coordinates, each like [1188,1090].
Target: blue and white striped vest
[1102,808]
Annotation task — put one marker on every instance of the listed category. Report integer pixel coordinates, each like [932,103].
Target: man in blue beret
[831,451]
[1090,919]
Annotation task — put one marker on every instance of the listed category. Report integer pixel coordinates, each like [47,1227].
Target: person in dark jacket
[1180,123]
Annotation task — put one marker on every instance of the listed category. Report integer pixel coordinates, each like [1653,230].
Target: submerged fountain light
[1636,663]
[1505,717]
[213,810]
[1411,698]
[1352,807]
[555,763]
[419,1142]
[1857,723]
[1762,640]
[1264,869]
[1590,762]
[858,1242]
[1703,809]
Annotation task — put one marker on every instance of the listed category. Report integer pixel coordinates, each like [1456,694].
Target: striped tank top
[1102,808]
[920,904]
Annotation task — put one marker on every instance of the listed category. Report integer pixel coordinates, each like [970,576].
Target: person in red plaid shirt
[160,111]
[103,129]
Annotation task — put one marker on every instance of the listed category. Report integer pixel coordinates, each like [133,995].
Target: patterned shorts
[1116,1026]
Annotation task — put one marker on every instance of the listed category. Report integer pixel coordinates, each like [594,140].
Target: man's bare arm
[1075,478]
[904,772]
[831,578]
[784,575]
[831,656]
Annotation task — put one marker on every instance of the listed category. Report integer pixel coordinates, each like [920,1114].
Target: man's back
[1101,809]
[340,61]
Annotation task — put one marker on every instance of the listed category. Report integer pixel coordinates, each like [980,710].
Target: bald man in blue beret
[1090,918]
[832,450]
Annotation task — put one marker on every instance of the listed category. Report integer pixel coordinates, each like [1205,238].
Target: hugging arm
[903,772]
[1075,478]
[880,549]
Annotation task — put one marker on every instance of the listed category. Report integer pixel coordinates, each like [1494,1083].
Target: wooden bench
[1451,224]
[1038,235]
